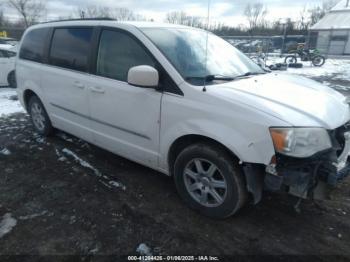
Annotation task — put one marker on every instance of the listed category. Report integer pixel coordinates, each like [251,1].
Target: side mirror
[143,76]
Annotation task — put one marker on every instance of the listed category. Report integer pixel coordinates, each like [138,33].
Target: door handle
[98,90]
[79,85]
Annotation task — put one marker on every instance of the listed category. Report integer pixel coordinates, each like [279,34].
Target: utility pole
[284,37]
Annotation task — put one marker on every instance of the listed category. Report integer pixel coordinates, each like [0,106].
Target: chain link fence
[328,43]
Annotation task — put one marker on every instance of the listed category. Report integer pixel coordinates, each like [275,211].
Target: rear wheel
[210,181]
[39,117]
[11,79]
[290,59]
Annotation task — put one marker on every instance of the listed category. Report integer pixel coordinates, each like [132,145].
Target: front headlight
[300,142]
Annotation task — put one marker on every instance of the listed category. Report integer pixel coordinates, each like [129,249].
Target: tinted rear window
[33,45]
[70,48]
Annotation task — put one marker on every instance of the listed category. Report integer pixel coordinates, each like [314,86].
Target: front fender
[253,149]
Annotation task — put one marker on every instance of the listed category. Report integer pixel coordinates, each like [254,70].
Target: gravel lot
[62,196]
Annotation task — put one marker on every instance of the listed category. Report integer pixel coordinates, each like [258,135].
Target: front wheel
[210,181]
[290,59]
[318,60]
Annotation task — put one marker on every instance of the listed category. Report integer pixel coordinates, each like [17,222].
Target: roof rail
[81,19]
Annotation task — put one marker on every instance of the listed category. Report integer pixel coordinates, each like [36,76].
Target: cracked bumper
[305,177]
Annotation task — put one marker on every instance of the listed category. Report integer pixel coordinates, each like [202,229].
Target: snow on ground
[144,250]
[82,162]
[7,224]
[104,179]
[32,216]
[9,103]
[339,68]
[5,152]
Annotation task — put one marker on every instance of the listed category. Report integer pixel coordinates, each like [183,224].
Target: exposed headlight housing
[300,142]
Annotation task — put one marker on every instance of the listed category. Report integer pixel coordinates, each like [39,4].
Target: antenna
[206,46]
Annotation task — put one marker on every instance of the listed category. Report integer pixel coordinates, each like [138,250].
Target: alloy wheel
[38,116]
[205,182]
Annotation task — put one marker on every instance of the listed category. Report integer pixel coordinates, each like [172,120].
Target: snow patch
[103,179]
[82,162]
[28,217]
[5,152]
[116,184]
[9,105]
[339,69]
[144,250]
[65,137]
[61,158]
[7,224]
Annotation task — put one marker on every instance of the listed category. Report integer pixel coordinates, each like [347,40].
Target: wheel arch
[186,140]
[253,173]
[27,94]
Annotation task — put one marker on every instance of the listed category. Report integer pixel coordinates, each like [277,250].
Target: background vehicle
[186,103]
[7,43]
[7,68]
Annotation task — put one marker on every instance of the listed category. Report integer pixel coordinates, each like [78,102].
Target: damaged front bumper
[311,177]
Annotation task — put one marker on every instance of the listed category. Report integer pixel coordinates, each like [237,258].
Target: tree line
[256,14]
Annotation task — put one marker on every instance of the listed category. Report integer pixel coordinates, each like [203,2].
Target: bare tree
[181,18]
[29,10]
[255,14]
[304,20]
[119,14]
[176,17]
[93,11]
[124,14]
[2,18]
[318,12]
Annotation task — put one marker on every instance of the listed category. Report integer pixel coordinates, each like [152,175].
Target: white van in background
[7,67]
[188,104]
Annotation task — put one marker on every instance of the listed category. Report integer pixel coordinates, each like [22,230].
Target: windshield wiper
[211,78]
[251,74]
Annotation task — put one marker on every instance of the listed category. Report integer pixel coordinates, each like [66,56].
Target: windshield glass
[186,51]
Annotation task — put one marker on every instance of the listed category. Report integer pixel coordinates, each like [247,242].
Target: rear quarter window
[33,45]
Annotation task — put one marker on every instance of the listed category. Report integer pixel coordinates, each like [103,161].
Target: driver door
[124,119]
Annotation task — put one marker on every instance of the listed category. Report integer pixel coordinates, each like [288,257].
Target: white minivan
[7,67]
[185,102]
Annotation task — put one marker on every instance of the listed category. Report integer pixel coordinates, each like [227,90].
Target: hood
[296,100]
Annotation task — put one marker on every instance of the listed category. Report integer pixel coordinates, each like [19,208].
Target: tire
[318,60]
[11,79]
[200,191]
[290,59]
[296,65]
[39,117]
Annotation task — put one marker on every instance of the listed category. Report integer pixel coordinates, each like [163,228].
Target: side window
[2,54]
[33,45]
[117,53]
[70,48]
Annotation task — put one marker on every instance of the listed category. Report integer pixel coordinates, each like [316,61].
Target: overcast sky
[229,12]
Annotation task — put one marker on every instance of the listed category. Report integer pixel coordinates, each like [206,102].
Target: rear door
[125,118]
[64,80]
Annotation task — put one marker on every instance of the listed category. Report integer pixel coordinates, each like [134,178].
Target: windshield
[186,51]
